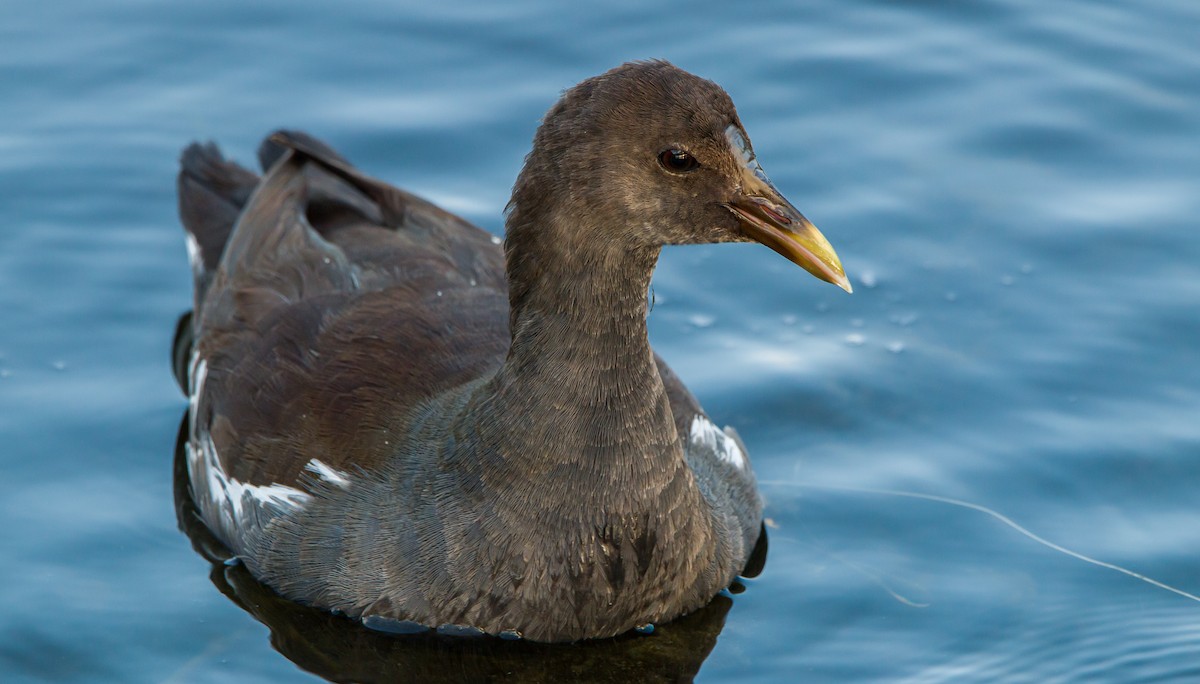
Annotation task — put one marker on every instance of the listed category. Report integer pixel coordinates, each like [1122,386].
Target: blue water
[1014,188]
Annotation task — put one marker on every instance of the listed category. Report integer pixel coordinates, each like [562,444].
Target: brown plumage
[392,418]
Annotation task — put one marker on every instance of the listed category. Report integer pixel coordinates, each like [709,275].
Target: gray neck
[580,391]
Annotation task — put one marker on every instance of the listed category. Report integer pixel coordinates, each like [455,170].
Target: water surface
[1012,187]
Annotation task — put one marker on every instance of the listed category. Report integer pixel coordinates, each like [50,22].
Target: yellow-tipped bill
[768,217]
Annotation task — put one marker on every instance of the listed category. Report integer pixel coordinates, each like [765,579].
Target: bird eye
[677,161]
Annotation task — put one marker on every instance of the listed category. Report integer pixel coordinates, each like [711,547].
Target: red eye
[677,161]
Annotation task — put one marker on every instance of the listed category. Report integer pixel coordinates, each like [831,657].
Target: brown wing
[338,304]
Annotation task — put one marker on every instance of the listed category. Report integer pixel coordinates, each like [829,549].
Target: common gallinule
[393,418]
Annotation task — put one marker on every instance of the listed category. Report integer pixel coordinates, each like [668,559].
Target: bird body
[394,418]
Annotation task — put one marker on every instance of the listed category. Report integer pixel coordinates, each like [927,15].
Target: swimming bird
[394,418]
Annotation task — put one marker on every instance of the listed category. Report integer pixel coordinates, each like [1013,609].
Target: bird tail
[212,192]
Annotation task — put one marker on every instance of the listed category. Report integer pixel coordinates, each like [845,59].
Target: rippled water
[1013,187]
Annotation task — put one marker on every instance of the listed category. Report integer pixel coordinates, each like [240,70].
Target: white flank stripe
[239,503]
[327,473]
[706,435]
[197,374]
[232,500]
[194,256]
[238,495]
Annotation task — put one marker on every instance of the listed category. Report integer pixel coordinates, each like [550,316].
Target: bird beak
[767,217]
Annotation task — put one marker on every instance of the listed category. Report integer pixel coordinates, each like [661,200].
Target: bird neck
[580,384]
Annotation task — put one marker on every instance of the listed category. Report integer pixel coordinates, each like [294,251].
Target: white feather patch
[233,501]
[195,258]
[233,498]
[197,373]
[327,473]
[705,435]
